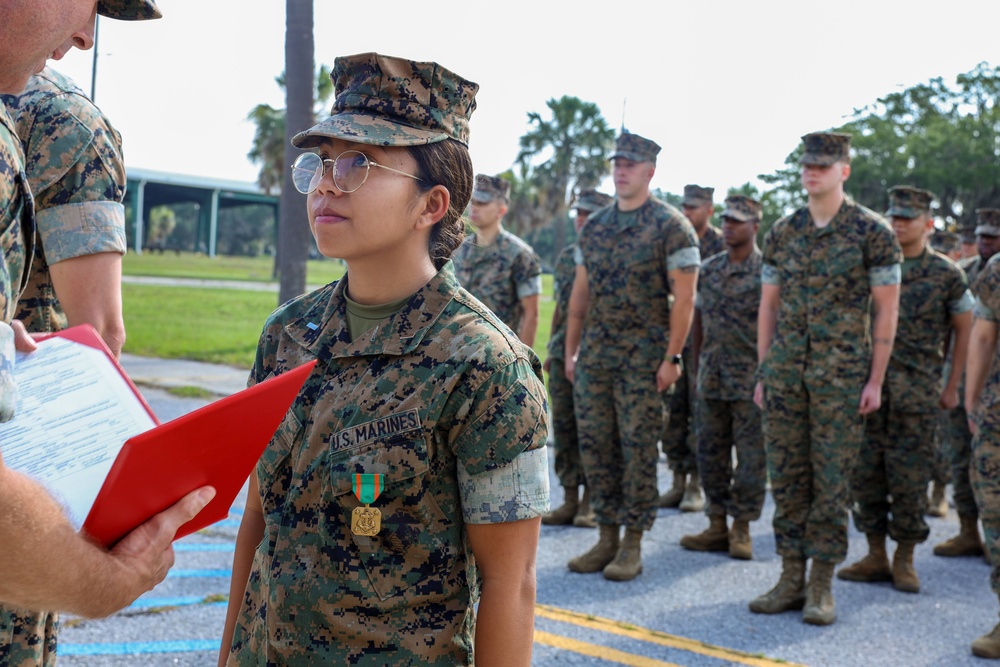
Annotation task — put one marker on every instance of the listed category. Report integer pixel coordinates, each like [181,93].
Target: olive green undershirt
[361,318]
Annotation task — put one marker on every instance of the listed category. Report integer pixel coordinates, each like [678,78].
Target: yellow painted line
[595,651]
[656,637]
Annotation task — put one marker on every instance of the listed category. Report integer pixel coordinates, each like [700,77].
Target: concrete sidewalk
[172,373]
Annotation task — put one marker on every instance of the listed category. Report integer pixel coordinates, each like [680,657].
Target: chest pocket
[416,540]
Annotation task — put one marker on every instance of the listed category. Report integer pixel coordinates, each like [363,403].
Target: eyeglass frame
[323,163]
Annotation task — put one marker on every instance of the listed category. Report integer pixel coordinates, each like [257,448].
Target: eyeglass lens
[350,170]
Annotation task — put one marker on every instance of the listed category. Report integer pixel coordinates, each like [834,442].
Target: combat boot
[966,543]
[600,554]
[820,608]
[563,515]
[713,538]
[693,500]
[585,514]
[988,646]
[788,593]
[874,566]
[627,564]
[740,546]
[904,576]
[672,498]
[937,504]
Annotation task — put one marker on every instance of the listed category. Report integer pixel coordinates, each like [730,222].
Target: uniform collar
[323,329]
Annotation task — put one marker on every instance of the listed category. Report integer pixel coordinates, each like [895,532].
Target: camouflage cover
[441,390]
[633,147]
[488,188]
[500,274]
[77,175]
[696,195]
[988,221]
[591,200]
[742,208]
[906,201]
[388,101]
[129,10]
[825,148]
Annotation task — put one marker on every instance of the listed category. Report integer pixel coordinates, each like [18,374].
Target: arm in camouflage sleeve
[982,351]
[885,305]
[961,327]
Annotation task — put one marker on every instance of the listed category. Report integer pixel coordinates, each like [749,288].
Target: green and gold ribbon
[367,488]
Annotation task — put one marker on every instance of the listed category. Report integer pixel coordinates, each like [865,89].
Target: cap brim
[903,212]
[628,155]
[987,230]
[692,202]
[482,197]
[365,129]
[816,159]
[128,10]
[738,215]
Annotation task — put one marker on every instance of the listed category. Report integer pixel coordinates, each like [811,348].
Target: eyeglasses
[350,171]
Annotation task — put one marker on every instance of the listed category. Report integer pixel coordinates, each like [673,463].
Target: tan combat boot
[672,498]
[585,514]
[740,546]
[988,646]
[788,593]
[713,538]
[563,515]
[966,543]
[693,500]
[874,566]
[904,576]
[937,504]
[627,564]
[820,608]
[600,554]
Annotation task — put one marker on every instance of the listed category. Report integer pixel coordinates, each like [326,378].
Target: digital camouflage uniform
[16,238]
[625,334]
[728,301]
[449,406]
[816,366]
[956,438]
[500,274]
[894,465]
[680,434]
[984,471]
[77,176]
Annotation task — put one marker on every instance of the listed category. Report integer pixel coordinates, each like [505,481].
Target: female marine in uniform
[408,479]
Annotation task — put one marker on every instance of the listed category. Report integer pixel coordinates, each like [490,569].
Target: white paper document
[74,413]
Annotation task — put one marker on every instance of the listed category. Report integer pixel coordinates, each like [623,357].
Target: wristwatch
[675,359]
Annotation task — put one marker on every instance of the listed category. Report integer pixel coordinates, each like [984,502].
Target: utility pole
[93,68]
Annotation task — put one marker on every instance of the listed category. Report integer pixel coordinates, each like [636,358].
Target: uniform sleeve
[528,274]
[498,420]
[682,246]
[988,293]
[883,257]
[76,170]
[577,255]
[769,273]
[514,492]
[8,390]
[960,299]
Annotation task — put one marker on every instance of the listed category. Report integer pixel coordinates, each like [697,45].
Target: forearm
[982,348]
[528,328]
[959,333]
[89,291]
[883,335]
[681,316]
[505,622]
[249,536]
[767,320]
[579,301]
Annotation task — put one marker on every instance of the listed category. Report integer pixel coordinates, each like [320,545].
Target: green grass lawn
[223,325]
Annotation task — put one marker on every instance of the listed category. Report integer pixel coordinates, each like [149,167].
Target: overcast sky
[726,88]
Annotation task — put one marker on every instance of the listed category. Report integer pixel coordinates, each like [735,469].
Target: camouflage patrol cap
[906,201]
[944,241]
[633,147]
[825,148]
[988,221]
[591,200]
[488,188]
[742,208]
[388,101]
[696,195]
[128,10]
[968,234]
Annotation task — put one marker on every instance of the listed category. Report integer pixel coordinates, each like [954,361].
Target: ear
[503,210]
[435,203]
[845,171]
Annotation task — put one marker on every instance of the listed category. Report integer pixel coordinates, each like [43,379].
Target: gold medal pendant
[366,521]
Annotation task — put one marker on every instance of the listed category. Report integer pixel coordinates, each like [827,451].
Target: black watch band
[675,359]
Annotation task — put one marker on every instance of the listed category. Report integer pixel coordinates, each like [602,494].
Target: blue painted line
[181,601]
[180,573]
[132,648]
[193,546]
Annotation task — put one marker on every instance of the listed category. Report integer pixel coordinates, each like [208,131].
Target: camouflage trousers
[891,475]
[27,639]
[812,436]
[615,411]
[567,448]
[956,440]
[679,439]
[941,461]
[984,473]
[725,426]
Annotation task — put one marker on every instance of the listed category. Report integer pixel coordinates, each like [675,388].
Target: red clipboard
[216,445]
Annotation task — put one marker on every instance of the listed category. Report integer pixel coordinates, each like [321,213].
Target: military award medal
[367,521]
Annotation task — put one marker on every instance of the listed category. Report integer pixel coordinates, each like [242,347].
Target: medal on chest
[367,521]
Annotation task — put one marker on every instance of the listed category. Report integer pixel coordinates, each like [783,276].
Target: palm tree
[576,143]
[294,238]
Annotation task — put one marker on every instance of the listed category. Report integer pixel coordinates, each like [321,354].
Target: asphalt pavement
[686,608]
